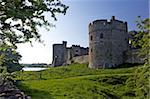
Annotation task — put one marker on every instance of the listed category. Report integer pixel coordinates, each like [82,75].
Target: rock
[9,91]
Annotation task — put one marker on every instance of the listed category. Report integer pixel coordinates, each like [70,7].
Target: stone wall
[107,42]
[9,91]
[62,55]
[77,50]
[80,59]
[132,57]
[59,54]
[108,46]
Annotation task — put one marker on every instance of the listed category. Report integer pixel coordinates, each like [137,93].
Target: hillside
[76,81]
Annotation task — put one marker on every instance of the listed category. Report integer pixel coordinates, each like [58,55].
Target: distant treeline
[36,65]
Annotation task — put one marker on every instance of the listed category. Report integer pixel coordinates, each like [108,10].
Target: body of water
[33,68]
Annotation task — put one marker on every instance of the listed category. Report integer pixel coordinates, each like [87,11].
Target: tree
[19,19]
[19,22]
[141,39]
[139,83]
[9,58]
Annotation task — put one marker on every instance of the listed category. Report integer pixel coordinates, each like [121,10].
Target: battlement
[107,24]
[75,45]
[57,44]
[78,46]
[98,22]
[84,47]
[63,43]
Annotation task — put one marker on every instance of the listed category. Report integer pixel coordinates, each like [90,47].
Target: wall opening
[101,36]
[77,51]
[91,38]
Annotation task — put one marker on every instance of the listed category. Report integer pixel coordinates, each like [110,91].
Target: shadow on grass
[34,93]
[126,65]
[104,92]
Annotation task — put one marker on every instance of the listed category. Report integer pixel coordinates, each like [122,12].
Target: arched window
[101,36]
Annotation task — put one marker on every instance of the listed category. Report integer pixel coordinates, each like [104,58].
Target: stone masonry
[62,55]
[109,46]
[108,40]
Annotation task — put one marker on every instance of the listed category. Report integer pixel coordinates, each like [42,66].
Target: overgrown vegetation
[140,82]
[77,81]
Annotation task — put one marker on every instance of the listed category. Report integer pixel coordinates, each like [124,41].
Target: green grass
[76,81]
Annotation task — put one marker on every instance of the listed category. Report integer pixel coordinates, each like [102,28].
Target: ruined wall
[108,46]
[76,50]
[132,57]
[63,55]
[80,59]
[77,54]
[59,54]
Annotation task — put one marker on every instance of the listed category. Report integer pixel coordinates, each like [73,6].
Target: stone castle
[63,55]
[109,46]
[108,40]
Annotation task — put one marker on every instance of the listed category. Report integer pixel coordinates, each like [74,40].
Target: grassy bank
[76,81]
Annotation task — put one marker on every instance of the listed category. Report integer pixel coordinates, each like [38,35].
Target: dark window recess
[91,38]
[91,50]
[101,36]
[77,51]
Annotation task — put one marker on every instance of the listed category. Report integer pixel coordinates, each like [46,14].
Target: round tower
[97,38]
[107,43]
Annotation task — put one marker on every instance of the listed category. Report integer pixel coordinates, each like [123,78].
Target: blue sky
[73,27]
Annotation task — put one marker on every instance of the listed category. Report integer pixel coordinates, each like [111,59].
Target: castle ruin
[109,46]
[62,55]
[108,40]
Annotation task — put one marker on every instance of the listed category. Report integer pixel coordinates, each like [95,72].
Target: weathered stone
[81,59]
[9,91]
[108,40]
[62,55]
[109,46]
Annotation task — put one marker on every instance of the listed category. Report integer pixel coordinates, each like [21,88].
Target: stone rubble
[9,91]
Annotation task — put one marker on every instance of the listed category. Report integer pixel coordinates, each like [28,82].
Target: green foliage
[19,22]
[5,76]
[19,19]
[77,81]
[139,83]
[142,38]
[9,58]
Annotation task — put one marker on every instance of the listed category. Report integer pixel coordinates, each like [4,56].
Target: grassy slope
[76,82]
